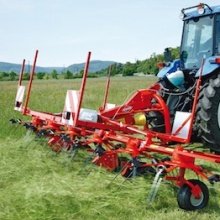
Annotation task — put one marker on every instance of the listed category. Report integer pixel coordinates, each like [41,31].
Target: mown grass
[36,183]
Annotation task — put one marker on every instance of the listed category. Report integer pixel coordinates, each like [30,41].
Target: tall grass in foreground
[36,183]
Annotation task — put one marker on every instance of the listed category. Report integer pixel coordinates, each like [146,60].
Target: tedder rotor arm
[30,84]
[107,88]
[82,89]
[21,73]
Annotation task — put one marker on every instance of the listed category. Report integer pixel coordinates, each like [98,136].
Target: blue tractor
[200,40]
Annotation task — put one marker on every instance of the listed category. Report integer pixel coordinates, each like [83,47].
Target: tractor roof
[195,13]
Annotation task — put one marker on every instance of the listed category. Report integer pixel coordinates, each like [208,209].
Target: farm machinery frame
[153,134]
[115,130]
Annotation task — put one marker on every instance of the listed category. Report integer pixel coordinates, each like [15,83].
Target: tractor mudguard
[210,65]
[169,68]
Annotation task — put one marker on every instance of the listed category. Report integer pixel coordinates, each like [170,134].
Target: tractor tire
[186,199]
[208,114]
[156,122]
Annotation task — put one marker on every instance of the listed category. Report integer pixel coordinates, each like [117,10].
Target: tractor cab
[201,35]
[200,39]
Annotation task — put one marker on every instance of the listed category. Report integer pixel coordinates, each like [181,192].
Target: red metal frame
[116,127]
[30,83]
[21,73]
[106,89]
[82,89]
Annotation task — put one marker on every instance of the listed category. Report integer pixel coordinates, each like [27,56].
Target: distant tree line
[148,66]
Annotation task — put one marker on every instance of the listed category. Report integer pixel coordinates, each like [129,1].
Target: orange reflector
[217,60]
[161,65]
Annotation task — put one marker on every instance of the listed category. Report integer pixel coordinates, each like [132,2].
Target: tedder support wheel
[187,201]
[208,114]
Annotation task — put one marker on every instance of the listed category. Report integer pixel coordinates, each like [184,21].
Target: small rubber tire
[187,201]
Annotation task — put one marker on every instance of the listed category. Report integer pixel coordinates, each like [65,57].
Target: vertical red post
[30,83]
[21,73]
[107,88]
[83,84]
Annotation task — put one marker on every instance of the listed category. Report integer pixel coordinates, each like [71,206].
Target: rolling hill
[95,65]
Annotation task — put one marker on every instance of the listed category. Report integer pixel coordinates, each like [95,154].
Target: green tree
[129,69]
[47,76]
[81,72]
[116,68]
[26,76]
[54,74]
[68,75]
[40,75]
[12,75]
[4,74]
[175,52]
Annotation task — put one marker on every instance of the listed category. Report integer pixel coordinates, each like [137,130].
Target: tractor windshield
[197,41]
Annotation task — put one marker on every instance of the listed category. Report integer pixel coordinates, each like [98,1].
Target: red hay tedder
[113,130]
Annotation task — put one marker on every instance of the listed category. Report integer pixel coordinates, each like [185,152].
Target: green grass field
[36,183]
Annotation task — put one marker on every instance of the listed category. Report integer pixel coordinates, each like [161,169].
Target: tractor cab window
[197,41]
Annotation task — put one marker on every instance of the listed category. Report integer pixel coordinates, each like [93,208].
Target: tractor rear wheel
[208,114]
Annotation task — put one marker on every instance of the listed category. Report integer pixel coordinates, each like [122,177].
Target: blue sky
[65,30]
